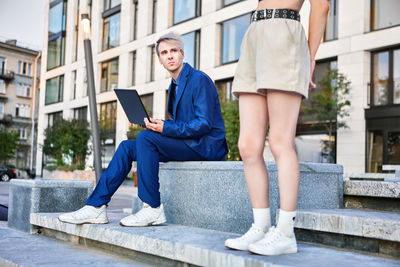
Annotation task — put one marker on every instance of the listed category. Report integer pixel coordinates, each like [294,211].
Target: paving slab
[22,249]
[199,246]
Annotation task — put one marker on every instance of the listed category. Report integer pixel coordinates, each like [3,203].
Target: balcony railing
[6,75]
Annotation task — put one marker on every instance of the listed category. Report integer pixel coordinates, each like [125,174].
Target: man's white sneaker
[145,217]
[87,214]
[274,243]
[242,243]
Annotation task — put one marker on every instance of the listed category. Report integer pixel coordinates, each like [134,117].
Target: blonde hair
[170,37]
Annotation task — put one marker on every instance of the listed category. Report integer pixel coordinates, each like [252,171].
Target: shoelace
[272,236]
[252,231]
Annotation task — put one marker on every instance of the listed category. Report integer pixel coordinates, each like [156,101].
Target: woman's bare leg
[253,124]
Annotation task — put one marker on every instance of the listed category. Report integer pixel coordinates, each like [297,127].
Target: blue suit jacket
[196,115]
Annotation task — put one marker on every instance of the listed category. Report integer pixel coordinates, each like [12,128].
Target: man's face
[170,56]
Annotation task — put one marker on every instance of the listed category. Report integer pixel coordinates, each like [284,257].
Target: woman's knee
[250,149]
[280,144]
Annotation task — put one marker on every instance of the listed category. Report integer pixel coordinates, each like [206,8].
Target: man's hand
[154,125]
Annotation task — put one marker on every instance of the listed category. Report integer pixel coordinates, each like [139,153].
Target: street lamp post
[92,96]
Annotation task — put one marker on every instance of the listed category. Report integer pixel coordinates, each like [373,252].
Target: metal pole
[94,123]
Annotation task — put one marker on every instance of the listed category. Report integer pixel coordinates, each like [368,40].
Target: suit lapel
[182,85]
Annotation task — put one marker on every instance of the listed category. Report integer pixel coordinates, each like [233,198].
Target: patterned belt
[279,13]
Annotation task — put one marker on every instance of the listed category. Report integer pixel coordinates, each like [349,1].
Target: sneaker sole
[272,253]
[92,221]
[231,246]
[158,222]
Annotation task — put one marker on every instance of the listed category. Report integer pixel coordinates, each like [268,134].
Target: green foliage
[230,113]
[8,145]
[68,138]
[330,105]
[133,131]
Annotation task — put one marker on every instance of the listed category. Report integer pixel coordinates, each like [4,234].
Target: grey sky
[22,20]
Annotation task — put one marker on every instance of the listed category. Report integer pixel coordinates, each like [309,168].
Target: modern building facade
[19,91]
[362,40]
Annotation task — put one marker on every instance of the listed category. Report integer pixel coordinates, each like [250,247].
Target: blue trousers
[149,149]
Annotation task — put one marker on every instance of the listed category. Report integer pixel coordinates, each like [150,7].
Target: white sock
[286,222]
[262,218]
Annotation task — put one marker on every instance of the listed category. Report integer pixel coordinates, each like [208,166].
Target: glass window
[232,34]
[185,10]
[2,65]
[77,20]
[375,149]
[385,13]
[135,16]
[229,2]
[111,31]
[56,42]
[54,117]
[153,62]
[19,67]
[191,41]
[133,68]
[29,69]
[73,85]
[380,80]
[80,113]
[17,110]
[108,4]
[24,68]
[148,103]
[2,87]
[224,88]
[28,90]
[393,148]
[1,110]
[108,122]
[54,90]
[396,76]
[109,75]
[154,17]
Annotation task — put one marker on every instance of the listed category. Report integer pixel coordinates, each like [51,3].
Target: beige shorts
[274,55]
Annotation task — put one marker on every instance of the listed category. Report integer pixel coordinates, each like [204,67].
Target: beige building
[362,40]
[19,68]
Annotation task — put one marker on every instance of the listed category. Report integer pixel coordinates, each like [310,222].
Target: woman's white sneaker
[274,243]
[242,243]
[145,217]
[87,214]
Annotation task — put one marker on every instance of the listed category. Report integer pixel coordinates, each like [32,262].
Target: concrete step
[370,231]
[190,245]
[22,249]
[373,195]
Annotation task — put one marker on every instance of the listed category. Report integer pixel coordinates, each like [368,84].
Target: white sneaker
[87,214]
[242,243]
[274,243]
[145,217]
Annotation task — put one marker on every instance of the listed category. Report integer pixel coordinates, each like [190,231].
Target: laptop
[132,105]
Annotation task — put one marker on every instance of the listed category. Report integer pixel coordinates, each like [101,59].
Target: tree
[68,138]
[230,113]
[330,105]
[8,145]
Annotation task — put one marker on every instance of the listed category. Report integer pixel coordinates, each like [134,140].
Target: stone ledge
[200,246]
[372,189]
[378,225]
[213,195]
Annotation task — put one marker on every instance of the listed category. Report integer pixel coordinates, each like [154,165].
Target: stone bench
[30,196]
[214,195]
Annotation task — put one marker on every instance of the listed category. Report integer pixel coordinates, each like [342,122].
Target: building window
[133,68]
[24,68]
[135,18]
[331,28]
[77,19]
[153,61]
[23,90]
[54,90]
[192,48]
[233,31]
[230,2]
[108,122]
[185,10]
[52,118]
[22,110]
[385,82]
[154,17]
[111,23]
[73,96]
[56,42]
[22,133]
[147,101]
[384,14]
[2,65]
[109,75]
[224,88]
[1,110]
[80,113]
[2,87]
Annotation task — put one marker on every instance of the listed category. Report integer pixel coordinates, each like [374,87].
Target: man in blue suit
[195,132]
